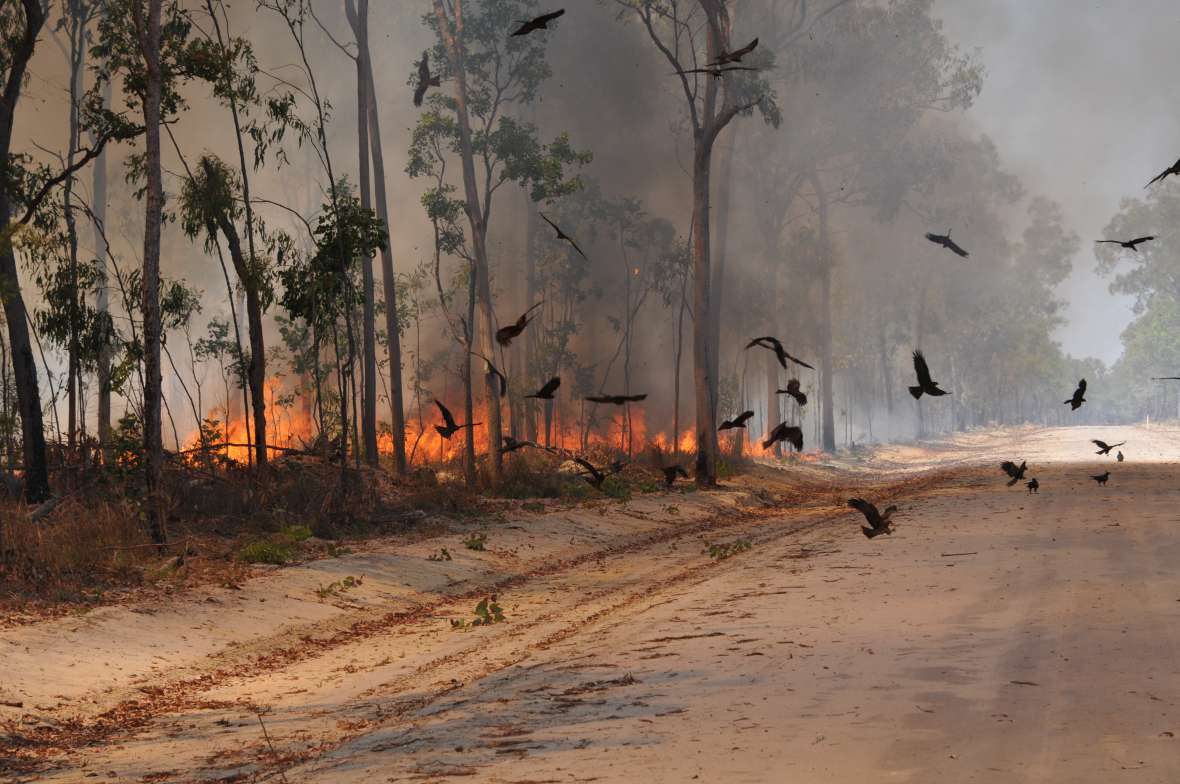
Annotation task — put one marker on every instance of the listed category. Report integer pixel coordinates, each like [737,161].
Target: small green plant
[487,612]
[337,587]
[720,552]
[266,552]
[443,554]
[296,533]
[337,550]
[476,541]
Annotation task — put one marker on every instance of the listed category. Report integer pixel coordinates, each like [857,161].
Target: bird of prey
[878,522]
[510,444]
[717,73]
[736,55]
[945,241]
[1014,471]
[775,345]
[546,392]
[1173,169]
[540,23]
[671,472]
[785,432]
[926,385]
[1119,456]
[492,370]
[561,235]
[1101,478]
[1128,244]
[449,428]
[505,335]
[596,476]
[425,80]
[616,400]
[738,421]
[1103,447]
[1033,485]
[1078,398]
[794,391]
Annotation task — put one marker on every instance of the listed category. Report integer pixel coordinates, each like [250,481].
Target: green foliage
[297,533]
[443,554]
[267,552]
[719,552]
[487,612]
[338,587]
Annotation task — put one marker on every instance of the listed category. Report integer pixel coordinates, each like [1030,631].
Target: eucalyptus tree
[492,72]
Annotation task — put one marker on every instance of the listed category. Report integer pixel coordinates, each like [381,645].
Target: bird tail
[917,392]
[766,444]
[1013,481]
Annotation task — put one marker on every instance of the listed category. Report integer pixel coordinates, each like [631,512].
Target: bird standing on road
[878,522]
[1101,478]
[1033,485]
[1079,396]
[925,385]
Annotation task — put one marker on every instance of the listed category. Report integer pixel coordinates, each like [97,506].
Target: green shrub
[266,552]
[296,533]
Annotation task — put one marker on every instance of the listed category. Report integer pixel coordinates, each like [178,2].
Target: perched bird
[794,391]
[926,385]
[596,476]
[546,392]
[1014,471]
[449,428]
[717,73]
[492,370]
[616,400]
[736,55]
[1101,478]
[1033,485]
[785,432]
[738,421]
[505,335]
[1119,457]
[945,241]
[540,23]
[425,80]
[671,472]
[1173,169]
[1103,447]
[776,346]
[878,522]
[1128,244]
[561,235]
[1078,398]
[510,444]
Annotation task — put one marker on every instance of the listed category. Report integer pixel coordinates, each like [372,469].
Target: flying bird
[1033,485]
[449,428]
[794,391]
[546,392]
[540,23]
[1167,378]
[878,522]
[738,421]
[1014,471]
[510,444]
[505,335]
[775,345]
[1173,169]
[671,472]
[616,400]
[492,370]
[1103,447]
[1101,478]
[596,476]
[1128,244]
[785,432]
[561,235]
[1078,398]
[926,385]
[717,73]
[736,55]
[945,241]
[425,80]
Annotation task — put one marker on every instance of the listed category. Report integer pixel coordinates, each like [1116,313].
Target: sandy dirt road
[997,637]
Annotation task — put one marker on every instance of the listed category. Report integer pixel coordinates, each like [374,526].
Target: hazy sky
[1081,100]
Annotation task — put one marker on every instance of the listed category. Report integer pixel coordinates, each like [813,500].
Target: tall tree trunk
[532,338]
[452,38]
[102,304]
[706,418]
[368,417]
[828,433]
[773,415]
[149,37]
[720,254]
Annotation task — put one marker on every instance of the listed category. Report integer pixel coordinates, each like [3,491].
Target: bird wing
[923,371]
[745,50]
[1167,378]
[550,386]
[937,239]
[634,398]
[1108,242]
[1082,387]
[446,415]
[1009,468]
[549,17]
[795,436]
[1158,177]
[743,417]
[798,361]
[1138,240]
[865,508]
[954,246]
[1099,444]
[1120,443]
[551,223]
